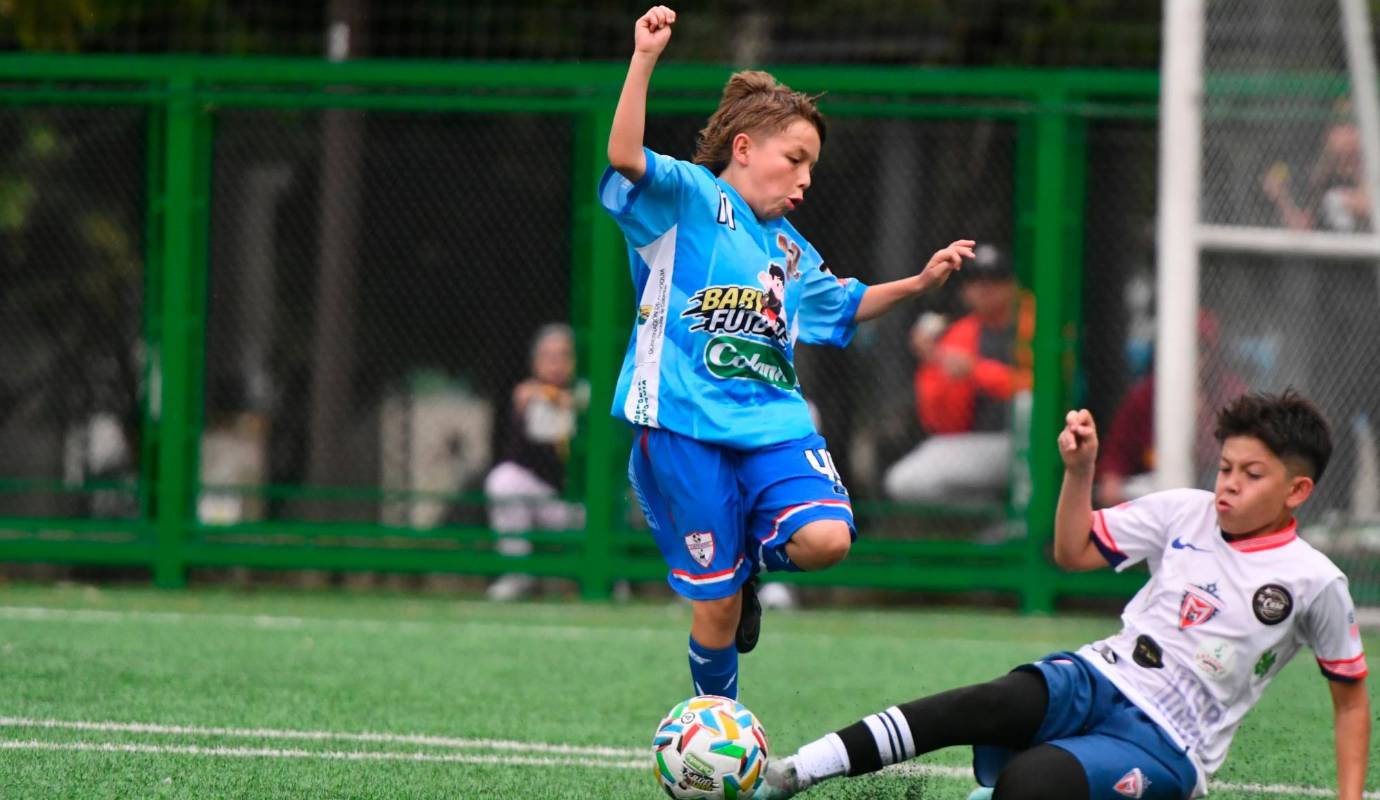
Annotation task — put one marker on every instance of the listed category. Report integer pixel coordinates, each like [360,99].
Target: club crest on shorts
[1132,784]
[701,547]
[1199,605]
[1272,603]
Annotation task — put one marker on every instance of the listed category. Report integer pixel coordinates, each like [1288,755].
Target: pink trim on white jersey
[1268,541]
[795,509]
[1099,526]
[1350,668]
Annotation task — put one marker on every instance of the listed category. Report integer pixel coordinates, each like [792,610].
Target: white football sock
[821,759]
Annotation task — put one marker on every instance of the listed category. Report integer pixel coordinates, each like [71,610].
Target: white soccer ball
[710,748]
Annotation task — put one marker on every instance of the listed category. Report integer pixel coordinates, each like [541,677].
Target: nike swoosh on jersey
[1179,544]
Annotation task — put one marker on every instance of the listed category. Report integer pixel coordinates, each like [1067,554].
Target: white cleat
[780,782]
[981,793]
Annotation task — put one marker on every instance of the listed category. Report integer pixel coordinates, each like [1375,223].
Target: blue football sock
[714,671]
[776,560]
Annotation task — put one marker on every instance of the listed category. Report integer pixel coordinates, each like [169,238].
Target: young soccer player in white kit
[1150,712]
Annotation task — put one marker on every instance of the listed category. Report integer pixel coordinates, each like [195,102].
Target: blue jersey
[722,300]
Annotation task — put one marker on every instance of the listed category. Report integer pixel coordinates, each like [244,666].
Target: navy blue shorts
[713,509]
[1124,753]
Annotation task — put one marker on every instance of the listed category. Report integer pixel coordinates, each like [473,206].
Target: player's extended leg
[1005,712]
[1043,772]
[689,493]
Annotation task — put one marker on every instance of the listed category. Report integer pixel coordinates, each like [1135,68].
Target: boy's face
[776,169]
[1256,492]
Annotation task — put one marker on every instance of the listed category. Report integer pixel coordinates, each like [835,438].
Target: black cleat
[750,620]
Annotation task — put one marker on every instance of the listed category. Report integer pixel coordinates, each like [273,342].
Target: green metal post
[153,306]
[602,263]
[174,405]
[1052,266]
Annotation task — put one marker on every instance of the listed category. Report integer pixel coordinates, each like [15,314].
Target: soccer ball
[710,748]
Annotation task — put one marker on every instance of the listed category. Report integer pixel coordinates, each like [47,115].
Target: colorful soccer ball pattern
[710,748]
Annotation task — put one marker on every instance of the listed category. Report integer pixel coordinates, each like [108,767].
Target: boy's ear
[742,143]
[1300,489]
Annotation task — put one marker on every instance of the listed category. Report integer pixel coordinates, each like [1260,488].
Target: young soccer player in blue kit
[726,462]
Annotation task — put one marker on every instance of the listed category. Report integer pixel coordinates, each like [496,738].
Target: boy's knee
[820,544]
[718,616]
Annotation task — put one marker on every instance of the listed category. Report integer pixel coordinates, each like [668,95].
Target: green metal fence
[193,117]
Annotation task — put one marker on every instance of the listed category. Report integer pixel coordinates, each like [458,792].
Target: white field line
[324,736]
[618,757]
[326,755]
[286,622]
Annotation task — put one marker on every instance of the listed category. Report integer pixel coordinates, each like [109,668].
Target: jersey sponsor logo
[730,357]
[1180,544]
[1148,653]
[1199,604]
[1187,704]
[1265,663]
[1132,784]
[1216,659]
[1272,604]
[737,309]
[701,546]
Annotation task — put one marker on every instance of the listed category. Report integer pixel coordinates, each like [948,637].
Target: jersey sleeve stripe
[1114,557]
[1103,538]
[1344,669]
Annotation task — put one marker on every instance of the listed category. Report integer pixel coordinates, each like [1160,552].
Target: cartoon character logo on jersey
[773,281]
[1199,605]
[742,309]
[1132,784]
[793,252]
[701,546]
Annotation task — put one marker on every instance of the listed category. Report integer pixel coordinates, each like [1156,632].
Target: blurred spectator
[524,489]
[1126,457]
[1334,197]
[964,384]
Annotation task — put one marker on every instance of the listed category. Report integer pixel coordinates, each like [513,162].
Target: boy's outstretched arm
[1351,719]
[881,298]
[1073,547]
[652,32]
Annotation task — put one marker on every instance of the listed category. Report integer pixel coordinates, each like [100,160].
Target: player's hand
[653,30]
[944,263]
[1078,441]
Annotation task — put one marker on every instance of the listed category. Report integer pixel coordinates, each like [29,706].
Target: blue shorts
[1124,753]
[714,509]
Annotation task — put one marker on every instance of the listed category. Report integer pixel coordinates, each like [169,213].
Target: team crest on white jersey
[701,547]
[1199,605]
[1132,784]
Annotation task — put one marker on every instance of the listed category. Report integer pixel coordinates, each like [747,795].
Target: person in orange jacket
[964,384]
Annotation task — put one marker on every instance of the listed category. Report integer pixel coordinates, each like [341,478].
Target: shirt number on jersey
[823,463]
[726,212]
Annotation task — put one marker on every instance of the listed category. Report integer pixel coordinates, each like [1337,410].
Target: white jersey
[1218,620]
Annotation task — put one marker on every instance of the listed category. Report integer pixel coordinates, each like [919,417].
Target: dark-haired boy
[1150,711]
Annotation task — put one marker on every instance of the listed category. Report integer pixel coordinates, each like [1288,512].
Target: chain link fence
[985,32]
[375,283]
[72,284]
[1282,155]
